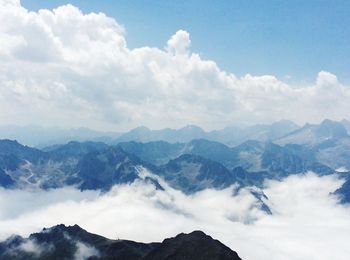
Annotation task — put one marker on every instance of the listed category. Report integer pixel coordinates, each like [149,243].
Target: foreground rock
[73,242]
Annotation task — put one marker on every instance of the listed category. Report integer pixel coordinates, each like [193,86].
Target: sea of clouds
[307,221]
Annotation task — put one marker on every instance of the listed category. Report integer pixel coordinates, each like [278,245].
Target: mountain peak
[191,128]
[9,142]
[193,234]
[195,245]
[140,129]
[62,228]
[332,128]
[328,122]
[313,134]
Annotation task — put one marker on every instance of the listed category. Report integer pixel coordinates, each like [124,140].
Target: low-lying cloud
[307,222]
[65,66]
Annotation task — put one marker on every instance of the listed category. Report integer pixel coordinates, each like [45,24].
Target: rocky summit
[73,242]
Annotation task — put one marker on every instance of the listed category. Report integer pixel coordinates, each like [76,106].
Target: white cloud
[10,2]
[179,43]
[84,251]
[31,247]
[65,67]
[307,223]
[326,79]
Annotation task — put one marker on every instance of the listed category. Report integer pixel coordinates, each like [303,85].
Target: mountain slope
[161,152]
[74,149]
[191,173]
[253,156]
[103,169]
[182,135]
[344,191]
[86,165]
[195,245]
[328,142]
[62,242]
[21,152]
[277,161]
[5,180]
[346,124]
[260,132]
[335,153]
[313,135]
[157,152]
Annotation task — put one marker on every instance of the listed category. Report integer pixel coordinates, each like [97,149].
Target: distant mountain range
[230,136]
[40,137]
[188,166]
[329,142]
[73,242]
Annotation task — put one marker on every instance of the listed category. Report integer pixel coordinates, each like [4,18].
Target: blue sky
[283,38]
[286,60]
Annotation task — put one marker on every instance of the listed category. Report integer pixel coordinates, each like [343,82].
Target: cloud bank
[65,66]
[307,223]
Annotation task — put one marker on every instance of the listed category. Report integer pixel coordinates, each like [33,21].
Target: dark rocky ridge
[62,242]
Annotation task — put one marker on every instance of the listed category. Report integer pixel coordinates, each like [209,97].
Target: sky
[115,65]
[295,39]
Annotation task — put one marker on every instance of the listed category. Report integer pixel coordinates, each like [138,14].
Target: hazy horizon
[242,126]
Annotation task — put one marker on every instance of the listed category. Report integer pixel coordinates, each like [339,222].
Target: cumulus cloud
[179,43]
[65,67]
[307,222]
[326,79]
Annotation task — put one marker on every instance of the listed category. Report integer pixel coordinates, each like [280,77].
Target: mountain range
[73,242]
[230,136]
[41,137]
[188,166]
